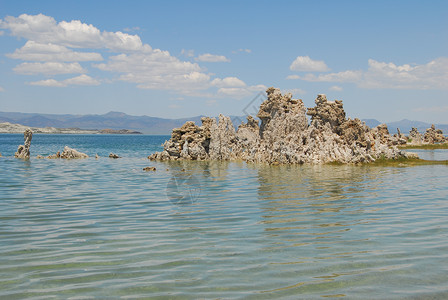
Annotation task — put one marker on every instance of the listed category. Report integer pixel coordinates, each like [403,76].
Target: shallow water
[81,229]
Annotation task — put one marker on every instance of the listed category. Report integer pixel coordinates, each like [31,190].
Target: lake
[104,228]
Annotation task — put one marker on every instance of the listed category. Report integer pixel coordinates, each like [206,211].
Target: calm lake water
[105,229]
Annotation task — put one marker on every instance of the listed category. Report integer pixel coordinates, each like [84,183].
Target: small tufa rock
[55,156]
[96,156]
[434,136]
[70,153]
[147,169]
[113,155]
[23,151]
[40,157]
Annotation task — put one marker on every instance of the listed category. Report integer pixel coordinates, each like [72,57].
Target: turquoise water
[105,229]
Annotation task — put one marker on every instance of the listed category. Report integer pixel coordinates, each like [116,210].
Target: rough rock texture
[113,155]
[55,156]
[147,169]
[70,153]
[434,136]
[415,137]
[23,151]
[283,136]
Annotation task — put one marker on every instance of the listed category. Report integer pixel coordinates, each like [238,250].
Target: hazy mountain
[153,125]
[406,125]
[112,120]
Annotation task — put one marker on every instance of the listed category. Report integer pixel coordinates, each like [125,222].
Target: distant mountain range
[153,125]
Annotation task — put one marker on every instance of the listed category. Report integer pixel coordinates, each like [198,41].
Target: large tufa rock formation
[23,151]
[434,136]
[283,136]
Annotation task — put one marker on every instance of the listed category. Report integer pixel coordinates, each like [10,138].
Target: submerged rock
[70,153]
[23,151]
[112,155]
[283,136]
[55,156]
[147,169]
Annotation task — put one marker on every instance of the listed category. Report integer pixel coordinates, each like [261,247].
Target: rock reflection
[316,206]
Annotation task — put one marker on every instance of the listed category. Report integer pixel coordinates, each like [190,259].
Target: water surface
[104,228]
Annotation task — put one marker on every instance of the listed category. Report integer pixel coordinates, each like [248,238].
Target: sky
[386,60]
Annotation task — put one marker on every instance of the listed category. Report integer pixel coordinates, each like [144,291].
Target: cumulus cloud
[207,57]
[336,88]
[242,50]
[228,82]
[381,75]
[187,53]
[49,68]
[79,80]
[241,92]
[296,91]
[33,51]
[433,75]
[157,70]
[75,34]
[57,48]
[293,77]
[306,64]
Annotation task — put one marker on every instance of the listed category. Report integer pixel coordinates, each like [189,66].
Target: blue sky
[385,59]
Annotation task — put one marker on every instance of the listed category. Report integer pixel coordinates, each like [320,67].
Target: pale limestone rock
[23,151]
[70,153]
[55,156]
[113,155]
[434,136]
[415,137]
[283,136]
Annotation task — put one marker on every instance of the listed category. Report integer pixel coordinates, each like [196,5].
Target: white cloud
[306,64]
[56,48]
[296,91]
[79,80]
[207,57]
[48,82]
[228,82]
[433,75]
[127,29]
[44,29]
[33,51]
[157,70]
[241,92]
[242,50]
[345,76]
[49,68]
[187,53]
[381,75]
[336,88]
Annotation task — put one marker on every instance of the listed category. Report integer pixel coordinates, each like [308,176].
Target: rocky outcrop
[434,136]
[415,137]
[70,153]
[283,136]
[23,151]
